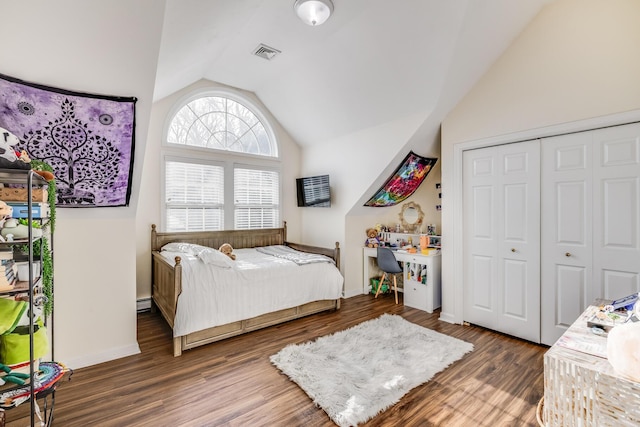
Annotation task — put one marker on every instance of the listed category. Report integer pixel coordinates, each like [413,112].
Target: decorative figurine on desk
[372,238]
[424,242]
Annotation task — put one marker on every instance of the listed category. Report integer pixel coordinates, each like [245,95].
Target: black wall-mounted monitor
[314,191]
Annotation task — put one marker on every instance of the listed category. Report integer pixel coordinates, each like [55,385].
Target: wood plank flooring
[232,382]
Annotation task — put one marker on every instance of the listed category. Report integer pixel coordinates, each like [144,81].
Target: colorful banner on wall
[404,181]
[87,139]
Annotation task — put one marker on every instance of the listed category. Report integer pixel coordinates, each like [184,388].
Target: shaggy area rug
[355,374]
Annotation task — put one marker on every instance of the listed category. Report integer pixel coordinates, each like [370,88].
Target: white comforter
[256,284]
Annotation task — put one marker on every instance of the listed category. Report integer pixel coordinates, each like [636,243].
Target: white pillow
[206,254]
[185,248]
[216,258]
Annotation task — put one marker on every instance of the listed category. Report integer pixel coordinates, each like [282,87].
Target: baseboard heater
[143,304]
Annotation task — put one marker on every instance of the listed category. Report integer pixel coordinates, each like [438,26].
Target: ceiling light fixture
[313,12]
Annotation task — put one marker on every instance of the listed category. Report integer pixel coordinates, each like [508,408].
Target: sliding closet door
[502,238]
[616,260]
[567,200]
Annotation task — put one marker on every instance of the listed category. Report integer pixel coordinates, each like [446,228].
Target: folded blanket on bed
[300,258]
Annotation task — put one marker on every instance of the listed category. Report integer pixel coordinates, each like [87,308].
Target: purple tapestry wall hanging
[88,139]
[404,181]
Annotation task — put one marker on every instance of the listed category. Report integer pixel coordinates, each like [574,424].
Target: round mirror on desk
[411,217]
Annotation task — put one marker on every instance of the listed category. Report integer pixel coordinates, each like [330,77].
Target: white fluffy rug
[357,373]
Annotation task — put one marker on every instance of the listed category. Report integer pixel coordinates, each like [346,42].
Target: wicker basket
[540,412]
[20,195]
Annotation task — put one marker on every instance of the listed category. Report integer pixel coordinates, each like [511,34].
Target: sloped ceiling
[373,61]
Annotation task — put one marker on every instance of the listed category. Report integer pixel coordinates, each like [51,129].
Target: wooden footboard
[167,286]
[229,330]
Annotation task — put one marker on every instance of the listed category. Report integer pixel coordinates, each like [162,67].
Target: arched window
[221,167]
[220,123]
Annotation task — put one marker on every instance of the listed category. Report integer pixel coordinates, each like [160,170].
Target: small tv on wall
[314,191]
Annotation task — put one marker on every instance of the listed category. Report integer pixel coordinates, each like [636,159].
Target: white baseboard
[348,293]
[447,317]
[94,359]
[143,304]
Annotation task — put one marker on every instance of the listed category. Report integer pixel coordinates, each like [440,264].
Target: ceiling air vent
[266,52]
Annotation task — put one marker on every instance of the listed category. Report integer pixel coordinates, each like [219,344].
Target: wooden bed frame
[167,281]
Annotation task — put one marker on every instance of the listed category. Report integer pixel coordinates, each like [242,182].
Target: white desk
[424,296]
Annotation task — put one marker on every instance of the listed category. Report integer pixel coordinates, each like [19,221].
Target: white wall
[90,47]
[358,164]
[361,161]
[96,47]
[149,211]
[577,60]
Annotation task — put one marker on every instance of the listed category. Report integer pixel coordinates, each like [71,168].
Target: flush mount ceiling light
[313,12]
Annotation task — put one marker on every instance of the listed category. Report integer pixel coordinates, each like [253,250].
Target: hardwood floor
[232,383]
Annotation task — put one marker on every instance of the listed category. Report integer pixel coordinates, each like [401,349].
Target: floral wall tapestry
[88,139]
[404,181]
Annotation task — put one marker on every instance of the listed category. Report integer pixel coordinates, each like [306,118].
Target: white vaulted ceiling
[373,61]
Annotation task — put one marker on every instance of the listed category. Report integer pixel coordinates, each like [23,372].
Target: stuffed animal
[8,157]
[5,212]
[372,238]
[227,249]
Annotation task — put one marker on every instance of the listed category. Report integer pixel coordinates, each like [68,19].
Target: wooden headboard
[238,239]
[214,239]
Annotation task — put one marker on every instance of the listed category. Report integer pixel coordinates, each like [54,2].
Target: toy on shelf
[8,157]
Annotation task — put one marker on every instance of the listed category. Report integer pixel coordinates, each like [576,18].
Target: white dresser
[421,278]
[581,388]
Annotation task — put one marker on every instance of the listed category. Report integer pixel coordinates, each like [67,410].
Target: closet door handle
[568,254]
[513,249]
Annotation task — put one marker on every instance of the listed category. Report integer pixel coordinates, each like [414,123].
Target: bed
[178,275]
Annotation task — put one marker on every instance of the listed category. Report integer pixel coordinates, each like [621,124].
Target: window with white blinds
[194,196]
[256,195]
[206,140]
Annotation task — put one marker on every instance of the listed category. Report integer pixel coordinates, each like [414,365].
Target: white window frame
[225,93]
[229,160]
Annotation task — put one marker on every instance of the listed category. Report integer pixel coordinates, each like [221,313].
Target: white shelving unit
[424,296]
[422,288]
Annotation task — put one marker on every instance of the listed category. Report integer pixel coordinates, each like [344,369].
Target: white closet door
[590,222]
[481,207]
[502,238]
[616,260]
[566,232]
